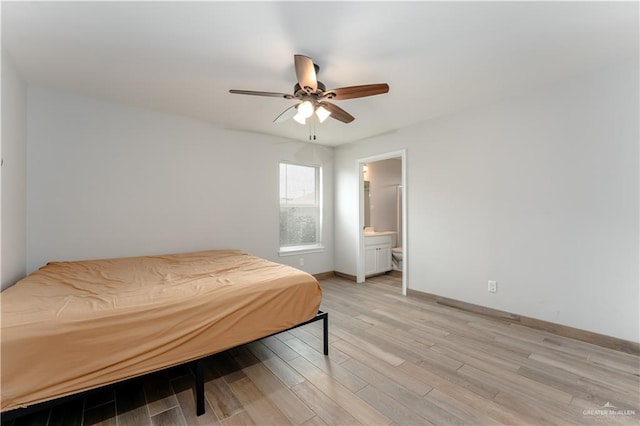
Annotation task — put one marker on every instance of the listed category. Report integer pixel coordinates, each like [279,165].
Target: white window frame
[304,248]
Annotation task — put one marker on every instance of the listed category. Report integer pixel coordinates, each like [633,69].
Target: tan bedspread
[72,326]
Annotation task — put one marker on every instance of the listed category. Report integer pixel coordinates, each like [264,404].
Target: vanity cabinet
[377,254]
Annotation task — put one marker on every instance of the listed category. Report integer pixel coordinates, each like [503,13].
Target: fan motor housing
[299,91]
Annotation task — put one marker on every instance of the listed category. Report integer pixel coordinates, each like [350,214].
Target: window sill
[297,250]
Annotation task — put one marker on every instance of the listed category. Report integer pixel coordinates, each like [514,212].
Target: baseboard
[324,275]
[394,273]
[558,329]
[345,276]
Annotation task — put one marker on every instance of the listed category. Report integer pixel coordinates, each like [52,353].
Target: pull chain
[312,128]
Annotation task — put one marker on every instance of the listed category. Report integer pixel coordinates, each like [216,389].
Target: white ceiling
[437,57]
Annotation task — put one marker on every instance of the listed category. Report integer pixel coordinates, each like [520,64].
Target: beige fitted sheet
[73,326]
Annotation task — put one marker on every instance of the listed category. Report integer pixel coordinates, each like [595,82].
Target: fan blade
[357,91]
[286,114]
[338,113]
[251,92]
[306,73]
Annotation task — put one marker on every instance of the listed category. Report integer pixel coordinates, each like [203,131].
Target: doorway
[399,194]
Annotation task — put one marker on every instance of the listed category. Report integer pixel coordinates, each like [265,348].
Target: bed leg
[199,387]
[325,326]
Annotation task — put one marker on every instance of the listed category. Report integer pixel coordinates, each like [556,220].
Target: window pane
[299,205]
[298,226]
[297,184]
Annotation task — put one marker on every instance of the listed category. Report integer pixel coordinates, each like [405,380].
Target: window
[300,208]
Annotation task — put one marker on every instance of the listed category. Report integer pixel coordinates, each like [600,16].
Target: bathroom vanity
[377,252]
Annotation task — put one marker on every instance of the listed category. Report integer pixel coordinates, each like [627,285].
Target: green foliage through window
[296,227]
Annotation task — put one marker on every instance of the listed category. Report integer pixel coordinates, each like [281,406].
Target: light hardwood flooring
[393,360]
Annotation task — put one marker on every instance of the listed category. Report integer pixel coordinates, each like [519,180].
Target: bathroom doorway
[382,190]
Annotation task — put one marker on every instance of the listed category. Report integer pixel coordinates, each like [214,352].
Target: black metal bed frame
[199,370]
[324,316]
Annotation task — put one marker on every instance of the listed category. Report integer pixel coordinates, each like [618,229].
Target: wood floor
[393,360]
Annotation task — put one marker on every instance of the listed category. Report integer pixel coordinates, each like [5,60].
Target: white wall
[538,192]
[13,257]
[108,180]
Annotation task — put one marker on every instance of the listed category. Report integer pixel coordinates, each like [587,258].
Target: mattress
[74,326]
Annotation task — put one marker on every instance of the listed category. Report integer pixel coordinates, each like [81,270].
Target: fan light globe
[322,113]
[305,109]
[300,118]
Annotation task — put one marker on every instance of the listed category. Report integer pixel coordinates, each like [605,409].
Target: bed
[75,326]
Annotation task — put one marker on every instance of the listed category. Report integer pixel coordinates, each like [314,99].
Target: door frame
[360,162]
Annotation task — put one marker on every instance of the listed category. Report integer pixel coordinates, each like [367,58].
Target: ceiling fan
[313,95]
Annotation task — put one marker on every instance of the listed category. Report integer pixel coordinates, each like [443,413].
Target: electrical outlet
[301,261]
[493,287]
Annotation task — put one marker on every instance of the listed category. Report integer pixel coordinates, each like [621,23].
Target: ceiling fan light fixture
[322,113]
[312,95]
[305,109]
[300,118]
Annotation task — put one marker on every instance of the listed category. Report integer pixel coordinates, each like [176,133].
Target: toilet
[396,257]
